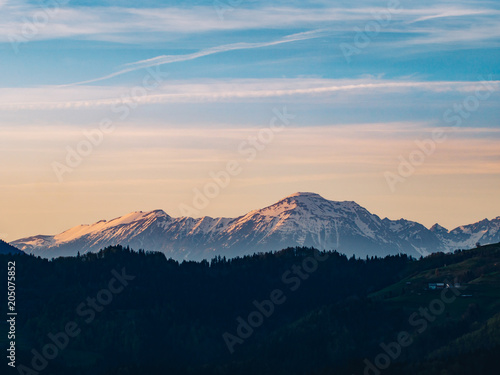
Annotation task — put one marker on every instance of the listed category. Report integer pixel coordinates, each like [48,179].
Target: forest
[294,311]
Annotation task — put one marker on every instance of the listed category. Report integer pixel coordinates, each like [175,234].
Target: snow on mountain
[301,219]
[306,219]
[466,236]
[436,228]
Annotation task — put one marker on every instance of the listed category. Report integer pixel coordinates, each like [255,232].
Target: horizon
[391,105]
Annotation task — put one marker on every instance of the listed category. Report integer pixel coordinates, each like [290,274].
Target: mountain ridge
[6,248]
[300,219]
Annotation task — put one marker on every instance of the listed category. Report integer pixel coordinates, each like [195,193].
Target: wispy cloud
[53,97]
[169,59]
[453,12]
[118,24]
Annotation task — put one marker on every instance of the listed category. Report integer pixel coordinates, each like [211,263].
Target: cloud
[140,152]
[475,36]
[131,25]
[446,13]
[169,59]
[54,97]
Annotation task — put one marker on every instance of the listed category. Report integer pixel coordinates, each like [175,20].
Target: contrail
[169,59]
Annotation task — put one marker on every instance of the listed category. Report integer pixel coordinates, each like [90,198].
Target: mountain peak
[137,216]
[304,195]
[309,196]
[157,213]
[305,205]
[438,228]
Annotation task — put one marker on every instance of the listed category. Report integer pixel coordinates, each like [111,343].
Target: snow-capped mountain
[467,236]
[301,219]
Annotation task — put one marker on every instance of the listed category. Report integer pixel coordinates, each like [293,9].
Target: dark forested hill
[5,248]
[297,311]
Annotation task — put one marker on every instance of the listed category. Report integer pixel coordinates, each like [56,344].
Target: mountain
[467,236]
[301,219]
[5,248]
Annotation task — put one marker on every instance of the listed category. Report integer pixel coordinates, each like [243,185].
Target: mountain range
[301,219]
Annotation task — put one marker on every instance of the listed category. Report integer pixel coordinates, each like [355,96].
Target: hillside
[6,248]
[332,314]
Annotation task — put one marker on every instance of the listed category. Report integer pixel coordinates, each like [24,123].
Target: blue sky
[441,40]
[225,66]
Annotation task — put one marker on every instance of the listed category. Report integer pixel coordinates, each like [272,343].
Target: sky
[217,108]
